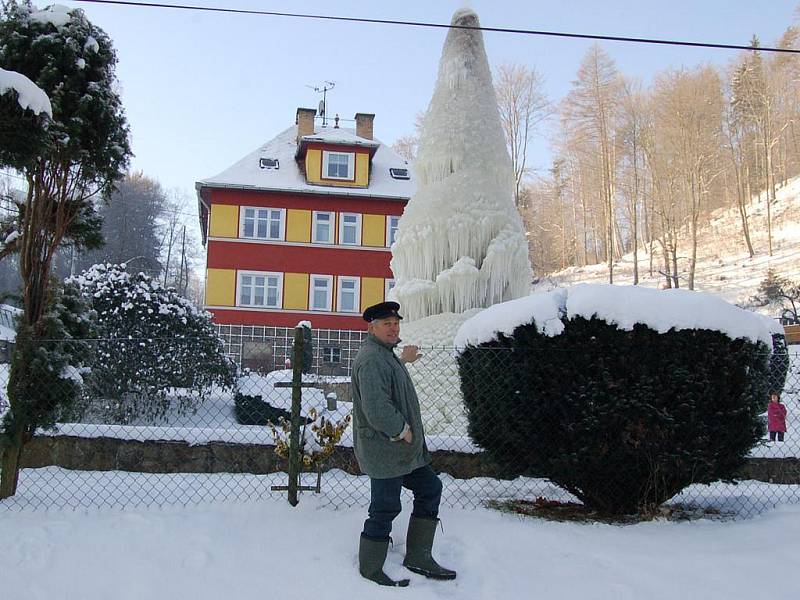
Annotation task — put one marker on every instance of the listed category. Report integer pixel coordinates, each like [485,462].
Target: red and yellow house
[301,228]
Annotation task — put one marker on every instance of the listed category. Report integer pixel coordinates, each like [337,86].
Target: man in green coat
[389,444]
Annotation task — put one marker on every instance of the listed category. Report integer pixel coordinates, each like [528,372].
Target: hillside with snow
[724,267]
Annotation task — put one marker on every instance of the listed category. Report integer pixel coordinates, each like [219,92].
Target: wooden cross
[294,435]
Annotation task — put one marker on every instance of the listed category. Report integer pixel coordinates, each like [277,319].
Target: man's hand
[410,353]
[408,437]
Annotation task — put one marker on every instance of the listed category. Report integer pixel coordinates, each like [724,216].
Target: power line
[610,38]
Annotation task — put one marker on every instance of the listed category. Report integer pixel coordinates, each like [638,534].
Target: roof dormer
[334,156]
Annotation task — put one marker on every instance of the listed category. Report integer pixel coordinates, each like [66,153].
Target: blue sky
[201,90]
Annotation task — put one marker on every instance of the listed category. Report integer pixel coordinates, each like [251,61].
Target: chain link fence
[145,430]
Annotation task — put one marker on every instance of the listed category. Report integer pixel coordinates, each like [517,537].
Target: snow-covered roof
[338,135]
[247,174]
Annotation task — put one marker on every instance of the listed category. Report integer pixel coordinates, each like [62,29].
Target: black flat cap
[381,311]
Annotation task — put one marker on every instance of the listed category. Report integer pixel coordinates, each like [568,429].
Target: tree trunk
[770,187]
[665,255]
[696,186]
[741,199]
[676,282]
[693,258]
[12,456]
[634,219]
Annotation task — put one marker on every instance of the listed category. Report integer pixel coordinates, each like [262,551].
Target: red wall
[273,319]
[298,259]
[371,206]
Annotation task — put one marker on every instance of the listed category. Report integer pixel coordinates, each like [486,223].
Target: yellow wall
[221,287]
[314,170]
[362,170]
[295,291]
[313,166]
[371,291]
[224,221]
[298,225]
[373,229]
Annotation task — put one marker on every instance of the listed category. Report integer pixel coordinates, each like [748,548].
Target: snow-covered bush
[151,340]
[622,396]
[49,373]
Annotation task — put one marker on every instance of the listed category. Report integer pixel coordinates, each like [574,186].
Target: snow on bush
[152,340]
[29,95]
[623,396]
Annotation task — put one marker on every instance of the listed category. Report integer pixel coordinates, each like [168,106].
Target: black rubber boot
[419,543]
[371,556]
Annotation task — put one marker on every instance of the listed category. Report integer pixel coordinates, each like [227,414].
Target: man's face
[386,330]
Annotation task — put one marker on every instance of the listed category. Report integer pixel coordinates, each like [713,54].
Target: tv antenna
[323,104]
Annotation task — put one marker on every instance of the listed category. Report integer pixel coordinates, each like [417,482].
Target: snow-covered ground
[724,266]
[266,549]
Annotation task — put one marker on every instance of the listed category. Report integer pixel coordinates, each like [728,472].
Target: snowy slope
[724,267]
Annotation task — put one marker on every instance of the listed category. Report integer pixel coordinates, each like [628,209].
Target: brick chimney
[364,125]
[305,122]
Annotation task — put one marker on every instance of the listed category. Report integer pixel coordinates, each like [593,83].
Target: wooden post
[294,435]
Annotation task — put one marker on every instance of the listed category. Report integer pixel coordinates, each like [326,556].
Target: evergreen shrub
[252,410]
[624,420]
[778,365]
[51,366]
[153,342]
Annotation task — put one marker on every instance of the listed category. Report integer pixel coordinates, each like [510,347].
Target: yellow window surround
[224,221]
[220,287]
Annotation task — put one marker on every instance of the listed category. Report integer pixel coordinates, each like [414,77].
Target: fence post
[294,435]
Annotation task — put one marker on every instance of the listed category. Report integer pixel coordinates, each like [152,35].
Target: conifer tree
[68,160]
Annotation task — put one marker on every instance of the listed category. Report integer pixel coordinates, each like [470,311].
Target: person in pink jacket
[776,417]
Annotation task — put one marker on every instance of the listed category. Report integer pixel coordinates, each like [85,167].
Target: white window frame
[388,284]
[351,165]
[389,228]
[255,236]
[356,296]
[311,306]
[341,229]
[332,224]
[266,275]
[328,355]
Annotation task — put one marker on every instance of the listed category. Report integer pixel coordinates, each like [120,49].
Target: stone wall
[109,454]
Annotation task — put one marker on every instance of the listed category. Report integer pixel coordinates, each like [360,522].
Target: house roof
[247,173]
[337,135]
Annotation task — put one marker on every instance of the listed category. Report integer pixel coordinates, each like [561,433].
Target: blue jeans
[385,505]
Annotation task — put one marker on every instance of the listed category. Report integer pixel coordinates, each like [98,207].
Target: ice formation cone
[460,242]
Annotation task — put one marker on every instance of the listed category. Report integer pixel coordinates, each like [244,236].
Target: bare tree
[753,100]
[736,143]
[593,106]
[408,145]
[630,136]
[523,107]
[691,117]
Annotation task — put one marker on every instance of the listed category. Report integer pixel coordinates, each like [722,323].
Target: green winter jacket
[384,401]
